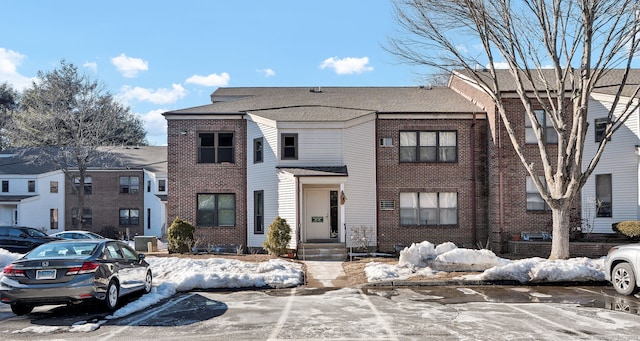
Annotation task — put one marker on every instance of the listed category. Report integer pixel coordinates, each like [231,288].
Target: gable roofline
[608,84]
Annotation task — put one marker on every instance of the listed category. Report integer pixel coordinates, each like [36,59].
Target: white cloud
[268,72]
[93,66]
[9,62]
[210,80]
[347,65]
[156,127]
[128,66]
[155,96]
[500,65]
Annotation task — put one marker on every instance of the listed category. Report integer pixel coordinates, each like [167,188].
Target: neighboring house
[127,191]
[612,193]
[27,189]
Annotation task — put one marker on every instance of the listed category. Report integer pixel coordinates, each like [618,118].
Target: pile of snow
[424,259]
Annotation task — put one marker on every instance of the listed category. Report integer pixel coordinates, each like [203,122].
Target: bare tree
[69,118]
[557,52]
[8,104]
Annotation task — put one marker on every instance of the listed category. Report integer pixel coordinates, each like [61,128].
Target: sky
[174,274]
[157,56]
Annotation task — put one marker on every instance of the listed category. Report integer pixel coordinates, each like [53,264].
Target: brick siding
[105,202]
[187,178]
[394,177]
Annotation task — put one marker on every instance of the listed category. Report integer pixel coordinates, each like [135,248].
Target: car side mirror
[141,256]
[23,235]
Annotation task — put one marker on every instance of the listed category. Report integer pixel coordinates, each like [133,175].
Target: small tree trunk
[560,242]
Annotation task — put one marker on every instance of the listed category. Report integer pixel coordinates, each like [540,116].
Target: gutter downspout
[474,220]
[298,225]
[500,187]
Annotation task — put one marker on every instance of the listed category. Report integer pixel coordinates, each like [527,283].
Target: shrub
[180,238]
[110,232]
[278,237]
[630,228]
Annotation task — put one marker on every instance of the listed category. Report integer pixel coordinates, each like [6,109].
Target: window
[88,184]
[215,147]
[53,218]
[86,218]
[534,198]
[149,186]
[53,187]
[257,150]
[548,133]
[258,212]
[216,210]
[162,185]
[5,186]
[129,184]
[386,142]
[600,128]
[129,216]
[428,146]
[31,186]
[289,146]
[148,219]
[436,208]
[604,195]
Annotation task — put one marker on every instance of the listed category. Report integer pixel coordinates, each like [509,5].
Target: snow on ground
[173,274]
[425,259]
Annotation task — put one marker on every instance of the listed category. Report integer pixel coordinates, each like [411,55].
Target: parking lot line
[284,316]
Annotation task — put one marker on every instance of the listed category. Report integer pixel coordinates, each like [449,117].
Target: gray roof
[316,171]
[608,84]
[330,103]
[151,158]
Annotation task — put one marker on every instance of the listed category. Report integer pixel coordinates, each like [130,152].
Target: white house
[612,192]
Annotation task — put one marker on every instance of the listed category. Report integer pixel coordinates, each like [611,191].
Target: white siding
[158,224]
[261,176]
[316,147]
[360,188]
[35,211]
[287,198]
[620,160]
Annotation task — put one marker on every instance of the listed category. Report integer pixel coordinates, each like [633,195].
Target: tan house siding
[105,202]
[188,178]
[394,177]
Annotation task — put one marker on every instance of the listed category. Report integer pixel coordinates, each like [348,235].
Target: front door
[317,215]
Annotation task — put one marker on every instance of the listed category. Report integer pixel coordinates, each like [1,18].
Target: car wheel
[624,281]
[148,282]
[111,300]
[21,309]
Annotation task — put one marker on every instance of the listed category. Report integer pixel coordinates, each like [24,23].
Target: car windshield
[71,249]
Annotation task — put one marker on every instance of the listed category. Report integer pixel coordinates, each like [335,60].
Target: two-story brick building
[376,165]
[393,165]
[127,191]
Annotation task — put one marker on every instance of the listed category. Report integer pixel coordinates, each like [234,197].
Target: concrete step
[322,251]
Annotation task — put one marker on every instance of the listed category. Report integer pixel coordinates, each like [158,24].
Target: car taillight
[87,267]
[9,271]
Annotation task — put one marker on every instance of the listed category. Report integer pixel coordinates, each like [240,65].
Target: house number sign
[317,219]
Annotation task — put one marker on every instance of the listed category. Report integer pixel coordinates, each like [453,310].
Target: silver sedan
[70,271]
